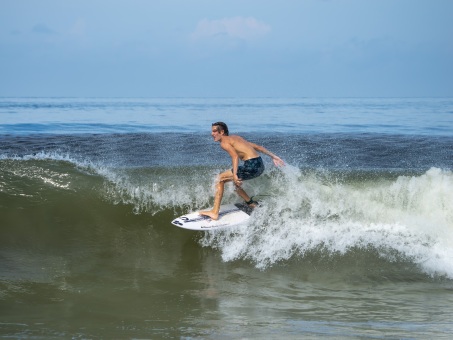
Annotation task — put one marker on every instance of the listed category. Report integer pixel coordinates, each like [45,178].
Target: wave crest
[407,218]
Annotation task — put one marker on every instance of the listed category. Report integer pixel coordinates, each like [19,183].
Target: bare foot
[210,214]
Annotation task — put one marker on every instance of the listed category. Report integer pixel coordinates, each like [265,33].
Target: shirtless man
[238,148]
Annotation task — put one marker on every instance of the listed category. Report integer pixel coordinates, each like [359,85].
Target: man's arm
[277,160]
[234,160]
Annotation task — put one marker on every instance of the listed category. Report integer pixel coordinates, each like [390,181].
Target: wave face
[339,200]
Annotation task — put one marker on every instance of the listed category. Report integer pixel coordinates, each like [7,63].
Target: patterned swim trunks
[251,168]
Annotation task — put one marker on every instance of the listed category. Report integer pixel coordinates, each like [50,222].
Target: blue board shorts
[251,168]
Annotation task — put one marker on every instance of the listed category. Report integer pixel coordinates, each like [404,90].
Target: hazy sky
[226,48]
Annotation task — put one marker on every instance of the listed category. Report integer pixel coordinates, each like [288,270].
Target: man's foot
[210,213]
[252,203]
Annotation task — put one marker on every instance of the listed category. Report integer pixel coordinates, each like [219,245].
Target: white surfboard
[229,215]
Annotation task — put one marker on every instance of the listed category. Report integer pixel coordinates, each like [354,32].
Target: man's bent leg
[224,177]
[246,197]
[241,192]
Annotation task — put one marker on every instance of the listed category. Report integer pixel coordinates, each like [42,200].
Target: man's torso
[243,148]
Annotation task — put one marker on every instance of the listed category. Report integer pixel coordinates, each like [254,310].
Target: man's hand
[278,161]
[237,181]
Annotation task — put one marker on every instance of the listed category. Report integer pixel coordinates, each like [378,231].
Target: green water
[107,273]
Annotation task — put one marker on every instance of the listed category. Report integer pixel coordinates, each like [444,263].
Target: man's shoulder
[236,138]
[226,140]
[231,141]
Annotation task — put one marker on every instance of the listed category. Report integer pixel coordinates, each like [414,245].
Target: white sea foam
[412,216]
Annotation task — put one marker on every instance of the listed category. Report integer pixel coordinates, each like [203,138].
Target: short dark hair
[221,126]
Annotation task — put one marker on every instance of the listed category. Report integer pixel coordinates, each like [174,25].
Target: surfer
[238,148]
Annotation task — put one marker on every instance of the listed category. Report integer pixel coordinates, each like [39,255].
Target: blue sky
[209,48]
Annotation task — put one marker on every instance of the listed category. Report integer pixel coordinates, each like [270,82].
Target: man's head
[221,126]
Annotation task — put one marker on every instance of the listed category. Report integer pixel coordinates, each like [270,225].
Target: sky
[231,48]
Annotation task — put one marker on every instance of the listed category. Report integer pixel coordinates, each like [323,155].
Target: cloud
[42,29]
[79,28]
[234,28]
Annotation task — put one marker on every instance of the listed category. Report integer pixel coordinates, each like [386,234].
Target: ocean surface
[353,239]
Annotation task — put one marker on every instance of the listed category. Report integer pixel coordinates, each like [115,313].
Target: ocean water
[354,238]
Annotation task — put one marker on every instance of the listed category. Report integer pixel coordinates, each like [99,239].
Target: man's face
[216,134]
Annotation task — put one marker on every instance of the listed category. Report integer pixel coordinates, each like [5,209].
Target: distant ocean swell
[305,213]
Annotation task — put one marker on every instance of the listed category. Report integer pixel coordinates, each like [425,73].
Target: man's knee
[224,177]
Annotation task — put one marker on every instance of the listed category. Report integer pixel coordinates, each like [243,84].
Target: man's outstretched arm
[277,160]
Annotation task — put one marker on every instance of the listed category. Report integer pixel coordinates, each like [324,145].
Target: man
[238,148]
